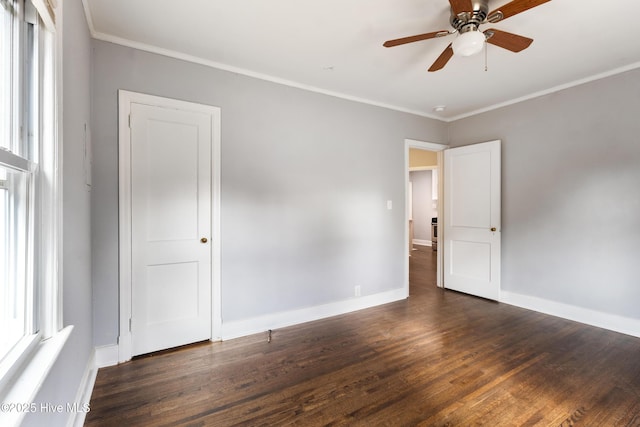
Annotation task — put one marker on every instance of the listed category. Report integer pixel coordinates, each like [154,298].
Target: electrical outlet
[357,290]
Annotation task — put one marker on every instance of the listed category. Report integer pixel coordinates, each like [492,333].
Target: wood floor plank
[439,358]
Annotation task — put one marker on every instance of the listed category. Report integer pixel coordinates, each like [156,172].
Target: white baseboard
[100,357]
[83,396]
[421,242]
[106,356]
[256,325]
[109,355]
[624,325]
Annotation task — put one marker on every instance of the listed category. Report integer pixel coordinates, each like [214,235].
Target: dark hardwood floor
[438,358]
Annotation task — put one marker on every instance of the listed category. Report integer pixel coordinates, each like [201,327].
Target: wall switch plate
[357,290]
[389,204]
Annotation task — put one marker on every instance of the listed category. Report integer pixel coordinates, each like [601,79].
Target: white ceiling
[335,46]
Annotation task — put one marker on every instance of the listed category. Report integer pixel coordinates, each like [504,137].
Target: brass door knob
[203,240]
[494,229]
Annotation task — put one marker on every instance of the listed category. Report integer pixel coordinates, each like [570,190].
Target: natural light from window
[13,250]
[27,187]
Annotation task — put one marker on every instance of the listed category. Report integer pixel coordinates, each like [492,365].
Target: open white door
[472,219]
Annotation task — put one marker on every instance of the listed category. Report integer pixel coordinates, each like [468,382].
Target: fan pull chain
[486,67]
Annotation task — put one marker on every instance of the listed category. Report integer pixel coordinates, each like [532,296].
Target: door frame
[439,149]
[125,99]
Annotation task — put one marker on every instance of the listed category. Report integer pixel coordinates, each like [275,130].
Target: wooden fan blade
[442,60]
[509,41]
[411,39]
[459,6]
[517,6]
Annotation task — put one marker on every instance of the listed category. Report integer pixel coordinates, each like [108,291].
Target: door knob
[203,240]
[492,229]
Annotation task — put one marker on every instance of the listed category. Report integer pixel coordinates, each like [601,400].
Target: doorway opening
[424,185]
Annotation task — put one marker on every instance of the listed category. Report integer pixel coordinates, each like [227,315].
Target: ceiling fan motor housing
[470,21]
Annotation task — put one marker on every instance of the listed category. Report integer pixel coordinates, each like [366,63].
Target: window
[28,181]
[16,291]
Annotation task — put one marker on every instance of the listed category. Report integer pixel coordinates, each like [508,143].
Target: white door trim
[125,99]
[429,146]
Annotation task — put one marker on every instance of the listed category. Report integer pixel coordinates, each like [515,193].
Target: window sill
[17,398]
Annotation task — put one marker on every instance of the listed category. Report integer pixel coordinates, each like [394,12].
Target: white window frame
[24,368]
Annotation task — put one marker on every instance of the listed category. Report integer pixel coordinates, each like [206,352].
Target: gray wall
[63,382]
[571,193]
[305,180]
[423,204]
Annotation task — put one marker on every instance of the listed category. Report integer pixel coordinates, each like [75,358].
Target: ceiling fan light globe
[469,43]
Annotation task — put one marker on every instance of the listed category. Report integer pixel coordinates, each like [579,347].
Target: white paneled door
[170,227]
[472,219]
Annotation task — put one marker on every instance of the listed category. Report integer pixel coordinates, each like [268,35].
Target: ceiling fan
[466,18]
